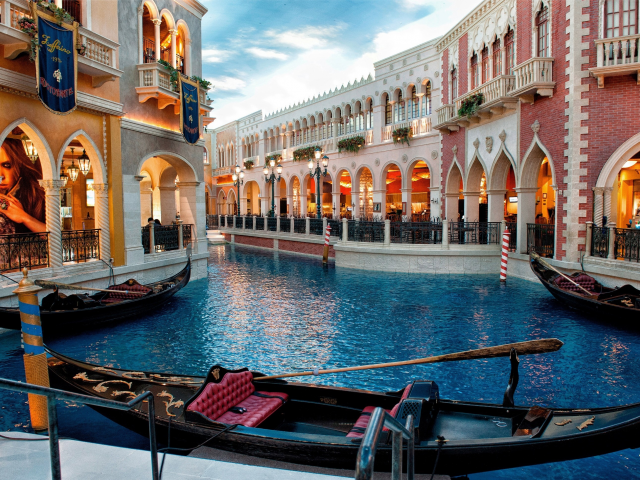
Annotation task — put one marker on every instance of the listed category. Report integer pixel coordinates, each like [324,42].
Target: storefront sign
[189,111]
[56,63]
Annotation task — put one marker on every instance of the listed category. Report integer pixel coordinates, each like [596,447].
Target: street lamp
[237,178]
[272,179]
[316,173]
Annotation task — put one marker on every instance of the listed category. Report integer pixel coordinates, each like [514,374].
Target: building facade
[125,132]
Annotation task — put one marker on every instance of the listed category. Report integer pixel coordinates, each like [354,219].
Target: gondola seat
[358,429]
[215,400]
[119,293]
[585,281]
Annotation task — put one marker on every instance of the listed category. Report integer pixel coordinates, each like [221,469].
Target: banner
[189,110]
[56,63]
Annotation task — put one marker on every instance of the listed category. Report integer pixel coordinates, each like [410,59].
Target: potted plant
[353,144]
[402,135]
[470,105]
[248,164]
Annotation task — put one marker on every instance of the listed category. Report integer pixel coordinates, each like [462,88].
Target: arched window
[387,111]
[621,18]
[205,158]
[475,72]
[415,103]
[497,58]
[400,108]
[426,103]
[542,26]
[509,45]
[454,84]
[486,73]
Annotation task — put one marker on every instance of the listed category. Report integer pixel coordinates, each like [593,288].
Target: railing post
[292,225]
[152,240]
[254,222]
[445,232]
[387,239]
[152,439]
[180,235]
[278,224]
[396,456]
[244,221]
[234,221]
[411,468]
[266,223]
[588,246]
[324,225]
[345,230]
[54,446]
[612,241]
[307,227]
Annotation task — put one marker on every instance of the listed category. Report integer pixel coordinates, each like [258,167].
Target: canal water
[278,313]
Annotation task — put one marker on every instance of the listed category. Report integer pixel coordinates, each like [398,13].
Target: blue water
[278,313]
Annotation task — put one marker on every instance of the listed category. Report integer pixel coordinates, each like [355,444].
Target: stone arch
[168,17]
[452,183]
[474,173]
[609,172]
[358,174]
[530,166]
[412,164]
[185,33]
[152,7]
[97,165]
[397,93]
[185,170]
[336,184]
[497,177]
[407,92]
[47,162]
[292,179]
[383,173]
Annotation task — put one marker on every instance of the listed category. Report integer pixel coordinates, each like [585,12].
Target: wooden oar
[546,264]
[523,348]
[66,286]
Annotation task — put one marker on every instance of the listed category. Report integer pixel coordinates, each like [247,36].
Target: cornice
[194,7]
[140,127]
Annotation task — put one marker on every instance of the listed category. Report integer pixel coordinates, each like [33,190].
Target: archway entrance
[420,192]
[296,197]
[365,187]
[252,193]
[475,195]
[281,205]
[345,188]
[393,182]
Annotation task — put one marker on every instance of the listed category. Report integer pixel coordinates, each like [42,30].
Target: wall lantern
[84,162]
[29,148]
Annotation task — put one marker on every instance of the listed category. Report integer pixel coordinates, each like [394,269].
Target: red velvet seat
[119,292]
[237,390]
[358,429]
[585,281]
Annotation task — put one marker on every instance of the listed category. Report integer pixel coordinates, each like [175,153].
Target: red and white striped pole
[505,254]
[325,254]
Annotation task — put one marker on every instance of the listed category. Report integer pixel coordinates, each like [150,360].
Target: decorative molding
[377,162]
[454,149]
[135,126]
[405,159]
[489,144]
[434,154]
[502,136]
[194,7]
[535,127]
[353,164]
[476,143]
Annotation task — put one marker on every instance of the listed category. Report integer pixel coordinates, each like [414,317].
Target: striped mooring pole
[325,253]
[35,359]
[505,254]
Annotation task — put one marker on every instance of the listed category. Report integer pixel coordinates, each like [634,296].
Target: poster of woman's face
[22,208]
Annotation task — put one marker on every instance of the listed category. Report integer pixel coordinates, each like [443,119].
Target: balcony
[535,76]
[154,82]
[497,101]
[216,172]
[255,159]
[616,56]
[14,41]
[419,126]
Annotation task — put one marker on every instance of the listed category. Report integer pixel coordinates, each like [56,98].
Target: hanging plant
[276,156]
[470,105]
[402,135]
[203,83]
[304,153]
[173,73]
[353,144]
[28,26]
[248,164]
[60,14]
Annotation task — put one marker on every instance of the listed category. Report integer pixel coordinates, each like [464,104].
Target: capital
[157,22]
[100,188]
[51,186]
[598,190]
[173,32]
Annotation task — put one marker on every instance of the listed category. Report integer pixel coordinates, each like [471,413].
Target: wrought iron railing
[54,395]
[212,222]
[541,239]
[316,226]
[20,250]
[80,245]
[476,233]
[223,221]
[336,227]
[229,221]
[300,225]
[627,244]
[248,223]
[146,239]
[416,232]
[272,224]
[165,237]
[599,241]
[186,234]
[259,223]
[358,231]
[285,225]
[513,238]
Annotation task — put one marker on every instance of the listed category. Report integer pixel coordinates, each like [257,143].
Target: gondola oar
[66,286]
[546,264]
[530,347]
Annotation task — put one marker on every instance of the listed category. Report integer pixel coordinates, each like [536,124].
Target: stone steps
[214,237]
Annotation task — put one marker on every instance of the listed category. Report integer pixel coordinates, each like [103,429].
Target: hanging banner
[189,110]
[56,63]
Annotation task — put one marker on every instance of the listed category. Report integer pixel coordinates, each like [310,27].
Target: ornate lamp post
[315,173]
[237,178]
[272,179]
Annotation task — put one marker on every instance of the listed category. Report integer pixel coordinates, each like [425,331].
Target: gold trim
[193,84]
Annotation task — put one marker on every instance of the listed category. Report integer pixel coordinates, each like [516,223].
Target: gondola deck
[312,426]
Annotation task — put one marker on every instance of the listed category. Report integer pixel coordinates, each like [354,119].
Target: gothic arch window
[497,58]
[486,73]
[454,84]
[475,72]
[415,104]
[542,28]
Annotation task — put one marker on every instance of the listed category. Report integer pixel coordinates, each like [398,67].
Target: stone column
[102,217]
[243,206]
[308,226]
[380,196]
[156,31]
[173,33]
[264,203]
[289,204]
[526,214]
[496,205]
[140,36]
[451,208]
[607,204]
[192,212]
[471,206]
[345,230]
[589,239]
[387,232]
[406,199]
[336,203]
[167,204]
[445,233]
[612,241]
[152,238]
[598,205]
[278,224]
[303,204]
[52,219]
[355,200]
[436,208]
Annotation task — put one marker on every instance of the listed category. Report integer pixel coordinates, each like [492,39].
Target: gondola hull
[62,321]
[591,306]
[308,431]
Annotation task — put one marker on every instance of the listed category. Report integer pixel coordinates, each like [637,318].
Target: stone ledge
[294,237]
[488,251]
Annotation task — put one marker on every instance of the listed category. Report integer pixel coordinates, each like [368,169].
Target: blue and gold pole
[35,359]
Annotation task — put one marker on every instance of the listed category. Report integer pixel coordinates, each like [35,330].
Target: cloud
[227,83]
[306,38]
[267,53]
[213,55]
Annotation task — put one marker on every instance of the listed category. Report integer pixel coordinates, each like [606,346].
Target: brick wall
[254,241]
[463,67]
[523,31]
[302,247]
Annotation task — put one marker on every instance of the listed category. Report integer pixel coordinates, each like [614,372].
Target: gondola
[619,305]
[324,425]
[60,313]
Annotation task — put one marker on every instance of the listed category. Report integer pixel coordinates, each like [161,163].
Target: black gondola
[322,425]
[620,305]
[59,313]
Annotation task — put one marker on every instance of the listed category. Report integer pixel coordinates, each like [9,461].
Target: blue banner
[56,66]
[189,111]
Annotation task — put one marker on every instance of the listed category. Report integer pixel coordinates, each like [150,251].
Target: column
[52,219]
[406,200]
[496,205]
[355,201]
[140,36]
[187,56]
[133,251]
[589,238]
[336,203]
[526,214]
[436,205]
[290,204]
[612,240]
[192,212]
[471,206]
[167,204]
[451,208]
[156,31]
[345,230]
[380,196]
[173,47]
[102,217]
[264,204]
[243,206]
[607,204]
[303,202]
[378,123]
[598,205]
